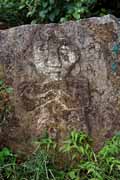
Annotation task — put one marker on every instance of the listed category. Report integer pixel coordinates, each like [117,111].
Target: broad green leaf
[76,15]
[6,152]
[1,82]
[9,90]
[34,21]
[72,174]
[45,4]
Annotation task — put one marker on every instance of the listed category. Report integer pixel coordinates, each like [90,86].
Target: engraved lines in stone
[49,99]
[53,61]
[60,57]
[56,98]
[57,59]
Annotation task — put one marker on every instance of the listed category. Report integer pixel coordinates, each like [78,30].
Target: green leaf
[42,14]
[6,152]
[64,19]
[51,2]
[1,82]
[52,16]
[45,4]
[34,21]
[76,15]
[72,174]
[22,7]
[9,90]
[31,13]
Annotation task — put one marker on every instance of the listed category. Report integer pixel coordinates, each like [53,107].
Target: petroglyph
[56,57]
[62,79]
[62,99]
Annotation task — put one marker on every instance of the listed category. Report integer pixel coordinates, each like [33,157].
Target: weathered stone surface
[62,79]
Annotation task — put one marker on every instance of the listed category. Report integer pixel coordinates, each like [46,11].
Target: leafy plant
[7,163]
[88,165]
[77,9]
[45,143]
[44,11]
[79,145]
[35,167]
[109,157]
[9,12]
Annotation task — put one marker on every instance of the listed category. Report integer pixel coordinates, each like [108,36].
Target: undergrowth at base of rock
[74,159]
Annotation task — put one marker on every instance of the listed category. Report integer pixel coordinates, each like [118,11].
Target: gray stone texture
[62,79]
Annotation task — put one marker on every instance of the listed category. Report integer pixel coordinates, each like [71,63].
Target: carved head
[55,57]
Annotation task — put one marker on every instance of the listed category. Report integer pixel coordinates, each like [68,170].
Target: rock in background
[63,79]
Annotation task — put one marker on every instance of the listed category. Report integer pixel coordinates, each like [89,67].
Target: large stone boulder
[64,78]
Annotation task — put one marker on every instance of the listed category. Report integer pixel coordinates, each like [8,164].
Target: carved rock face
[54,57]
[62,79]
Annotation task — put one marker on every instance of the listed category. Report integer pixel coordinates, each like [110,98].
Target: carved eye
[64,50]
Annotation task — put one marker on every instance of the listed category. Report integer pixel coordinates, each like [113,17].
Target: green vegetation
[17,12]
[79,161]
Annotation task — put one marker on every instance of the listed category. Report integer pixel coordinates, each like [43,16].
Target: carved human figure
[60,97]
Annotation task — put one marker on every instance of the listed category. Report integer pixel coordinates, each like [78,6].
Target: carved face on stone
[55,57]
